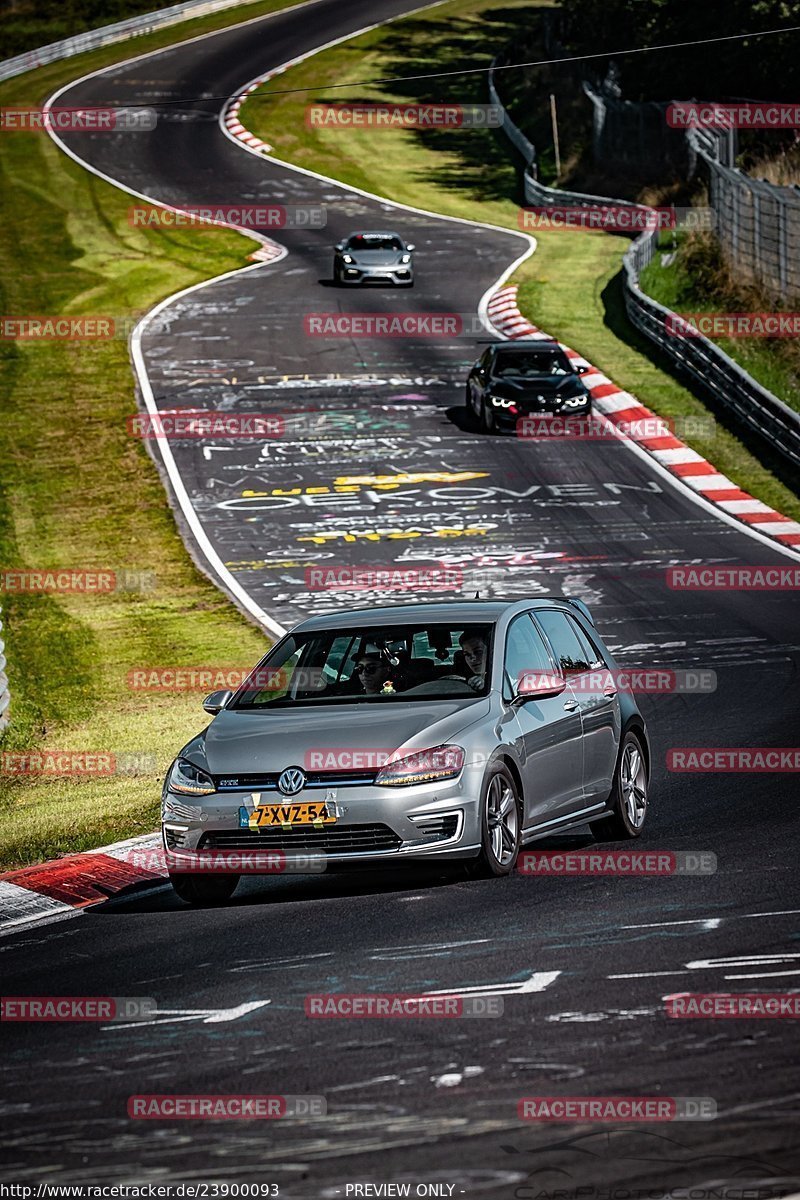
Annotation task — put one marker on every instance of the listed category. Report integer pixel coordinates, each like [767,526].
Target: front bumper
[374,823]
[354,274]
[560,416]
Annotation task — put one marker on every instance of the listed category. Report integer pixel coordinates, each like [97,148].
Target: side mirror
[535,685]
[410,246]
[216,702]
[339,246]
[581,369]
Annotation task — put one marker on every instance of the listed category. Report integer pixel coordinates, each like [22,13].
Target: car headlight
[576,401]
[188,780]
[502,402]
[348,258]
[423,766]
[406,258]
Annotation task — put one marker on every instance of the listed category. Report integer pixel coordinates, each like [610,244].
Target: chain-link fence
[703,362]
[636,136]
[757,223]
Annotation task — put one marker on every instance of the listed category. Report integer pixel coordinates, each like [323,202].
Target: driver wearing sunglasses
[373,672]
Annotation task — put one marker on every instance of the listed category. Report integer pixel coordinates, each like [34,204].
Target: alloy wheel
[503,820]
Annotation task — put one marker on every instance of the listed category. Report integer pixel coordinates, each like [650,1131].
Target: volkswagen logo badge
[291,781]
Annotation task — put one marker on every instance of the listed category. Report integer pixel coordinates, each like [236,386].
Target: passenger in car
[474,649]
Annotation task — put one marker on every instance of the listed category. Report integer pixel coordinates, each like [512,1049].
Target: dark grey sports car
[374,256]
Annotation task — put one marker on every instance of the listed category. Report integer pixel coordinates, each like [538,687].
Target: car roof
[530,344]
[373,233]
[467,612]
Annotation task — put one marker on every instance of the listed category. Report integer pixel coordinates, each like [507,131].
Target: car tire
[204,890]
[472,420]
[628,797]
[488,420]
[501,809]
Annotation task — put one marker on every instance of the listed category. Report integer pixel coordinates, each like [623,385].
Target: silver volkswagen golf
[452,730]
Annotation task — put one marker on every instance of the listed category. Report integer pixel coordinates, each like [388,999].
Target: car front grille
[334,839]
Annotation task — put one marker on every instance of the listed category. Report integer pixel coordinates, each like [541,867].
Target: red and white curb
[66,886]
[270,251]
[231,120]
[623,409]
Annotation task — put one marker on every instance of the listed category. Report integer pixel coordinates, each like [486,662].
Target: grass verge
[572,286]
[695,279]
[77,492]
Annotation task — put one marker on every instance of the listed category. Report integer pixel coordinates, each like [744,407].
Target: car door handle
[570,705]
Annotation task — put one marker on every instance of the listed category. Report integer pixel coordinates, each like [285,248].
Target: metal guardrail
[704,362]
[5,699]
[512,132]
[92,39]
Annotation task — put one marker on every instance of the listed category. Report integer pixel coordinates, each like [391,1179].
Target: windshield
[366,241]
[538,362]
[380,666]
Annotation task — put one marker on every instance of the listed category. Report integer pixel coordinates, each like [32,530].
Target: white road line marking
[535,983]
[209,1016]
[646,974]
[763,975]
[729,1112]
[785,912]
[744,960]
